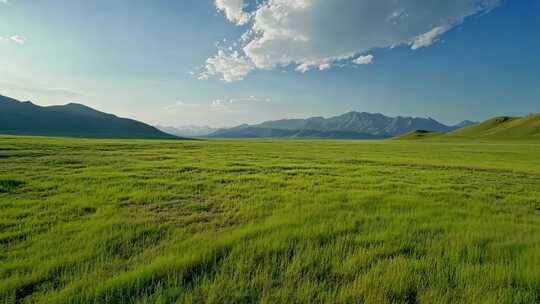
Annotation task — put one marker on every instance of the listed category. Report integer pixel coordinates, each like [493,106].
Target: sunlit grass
[268,221]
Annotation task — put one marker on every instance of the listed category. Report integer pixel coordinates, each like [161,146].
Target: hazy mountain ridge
[352,125]
[188,131]
[75,120]
[256,132]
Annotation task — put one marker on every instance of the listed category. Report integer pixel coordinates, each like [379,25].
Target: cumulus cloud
[230,65]
[367,59]
[317,34]
[233,10]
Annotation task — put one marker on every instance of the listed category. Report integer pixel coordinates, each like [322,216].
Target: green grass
[104,221]
[419,134]
[502,128]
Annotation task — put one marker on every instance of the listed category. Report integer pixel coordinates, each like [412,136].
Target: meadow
[269,221]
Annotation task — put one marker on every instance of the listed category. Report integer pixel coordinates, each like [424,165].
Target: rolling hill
[72,120]
[502,128]
[498,128]
[352,125]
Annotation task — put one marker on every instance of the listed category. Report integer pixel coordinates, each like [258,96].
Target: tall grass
[103,221]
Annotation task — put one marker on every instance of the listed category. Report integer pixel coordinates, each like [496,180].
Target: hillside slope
[419,134]
[74,120]
[518,128]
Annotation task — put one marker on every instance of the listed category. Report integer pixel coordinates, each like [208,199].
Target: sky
[227,62]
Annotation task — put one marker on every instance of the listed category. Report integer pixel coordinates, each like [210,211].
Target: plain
[290,221]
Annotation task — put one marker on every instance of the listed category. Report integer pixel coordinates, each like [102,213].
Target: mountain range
[73,120]
[352,125]
[77,120]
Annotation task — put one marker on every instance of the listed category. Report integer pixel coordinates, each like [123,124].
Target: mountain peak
[78,106]
[361,114]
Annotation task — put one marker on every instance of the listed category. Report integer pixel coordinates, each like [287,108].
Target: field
[127,221]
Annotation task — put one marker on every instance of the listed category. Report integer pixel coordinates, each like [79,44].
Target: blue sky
[177,63]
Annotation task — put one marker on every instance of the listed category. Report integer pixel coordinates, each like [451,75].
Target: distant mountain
[73,120]
[188,131]
[352,125]
[465,123]
[257,132]
[503,127]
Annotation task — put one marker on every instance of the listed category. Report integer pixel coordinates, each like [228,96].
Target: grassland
[103,221]
[420,134]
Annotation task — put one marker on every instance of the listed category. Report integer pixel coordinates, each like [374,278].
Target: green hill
[498,128]
[521,128]
[419,134]
[71,120]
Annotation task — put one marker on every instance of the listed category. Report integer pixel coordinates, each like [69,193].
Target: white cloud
[233,10]
[316,34]
[230,65]
[250,99]
[323,64]
[217,102]
[18,39]
[428,38]
[236,104]
[14,39]
[181,104]
[219,105]
[203,76]
[367,59]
